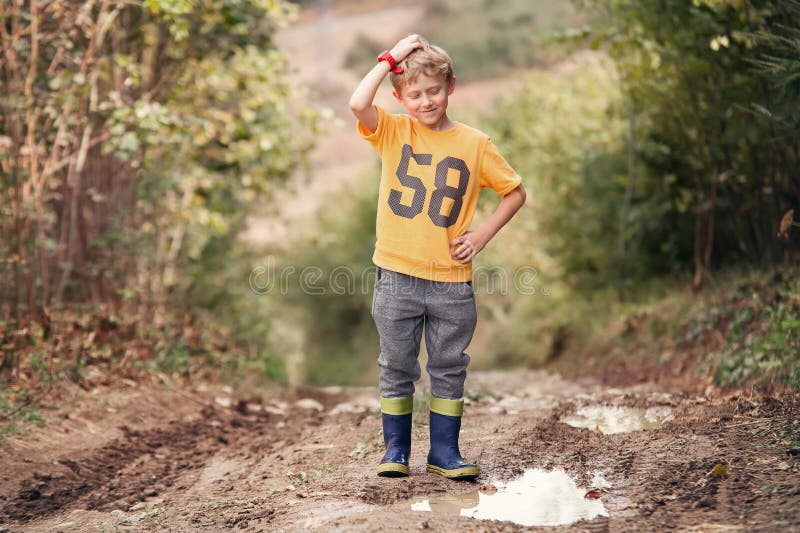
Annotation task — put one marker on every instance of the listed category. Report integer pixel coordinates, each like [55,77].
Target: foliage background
[134,139]
[658,141]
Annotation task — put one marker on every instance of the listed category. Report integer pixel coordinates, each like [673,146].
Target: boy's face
[426,99]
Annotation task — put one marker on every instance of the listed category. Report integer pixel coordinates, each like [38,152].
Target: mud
[201,460]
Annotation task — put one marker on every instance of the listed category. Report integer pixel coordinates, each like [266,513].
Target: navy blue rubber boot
[396,415]
[444,457]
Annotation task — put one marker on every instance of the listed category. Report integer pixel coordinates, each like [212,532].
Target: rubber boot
[444,457]
[396,415]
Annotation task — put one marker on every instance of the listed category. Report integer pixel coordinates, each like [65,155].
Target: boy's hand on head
[405,46]
[467,246]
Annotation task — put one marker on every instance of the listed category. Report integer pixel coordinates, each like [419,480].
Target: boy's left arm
[468,245]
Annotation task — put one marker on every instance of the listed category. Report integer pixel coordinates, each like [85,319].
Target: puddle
[611,419]
[538,498]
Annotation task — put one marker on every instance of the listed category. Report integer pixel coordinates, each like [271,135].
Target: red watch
[386,56]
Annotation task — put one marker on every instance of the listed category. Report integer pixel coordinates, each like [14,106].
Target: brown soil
[153,460]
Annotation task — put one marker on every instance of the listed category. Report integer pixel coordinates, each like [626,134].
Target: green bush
[564,134]
[322,326]
[709,85]
[762,335]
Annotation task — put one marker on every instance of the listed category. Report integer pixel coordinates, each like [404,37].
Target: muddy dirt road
[141,459]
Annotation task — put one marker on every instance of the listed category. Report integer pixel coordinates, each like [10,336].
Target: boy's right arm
[361,100]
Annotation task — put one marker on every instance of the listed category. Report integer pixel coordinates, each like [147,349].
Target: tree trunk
[704,237]
[626,204]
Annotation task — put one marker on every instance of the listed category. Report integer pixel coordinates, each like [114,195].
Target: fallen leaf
[719,470]
[786,223]
[592,495]
[488,489]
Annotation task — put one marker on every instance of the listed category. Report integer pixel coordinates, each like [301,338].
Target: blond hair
[429,59]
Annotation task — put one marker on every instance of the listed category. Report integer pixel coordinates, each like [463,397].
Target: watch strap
[387,56]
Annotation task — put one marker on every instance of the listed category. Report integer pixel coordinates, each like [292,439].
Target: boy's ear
[451,86]
[397,97]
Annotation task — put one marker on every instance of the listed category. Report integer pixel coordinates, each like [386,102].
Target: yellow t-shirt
[430,182]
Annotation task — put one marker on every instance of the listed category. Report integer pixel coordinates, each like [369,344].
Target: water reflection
[613,419]
[537,498]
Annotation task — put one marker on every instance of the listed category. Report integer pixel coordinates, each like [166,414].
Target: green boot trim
[465,472]
[397,406]
[446,407]
[392,470]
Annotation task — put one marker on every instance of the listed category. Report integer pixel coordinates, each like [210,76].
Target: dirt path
[145,460]
[141,459]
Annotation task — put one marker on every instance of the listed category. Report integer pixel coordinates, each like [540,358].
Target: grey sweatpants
[402,306]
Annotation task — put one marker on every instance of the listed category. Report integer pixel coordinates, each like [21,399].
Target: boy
[433,169]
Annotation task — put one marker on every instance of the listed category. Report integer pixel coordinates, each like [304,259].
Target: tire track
[139,465]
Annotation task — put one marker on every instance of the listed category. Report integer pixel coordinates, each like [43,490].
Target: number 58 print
[442,190]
